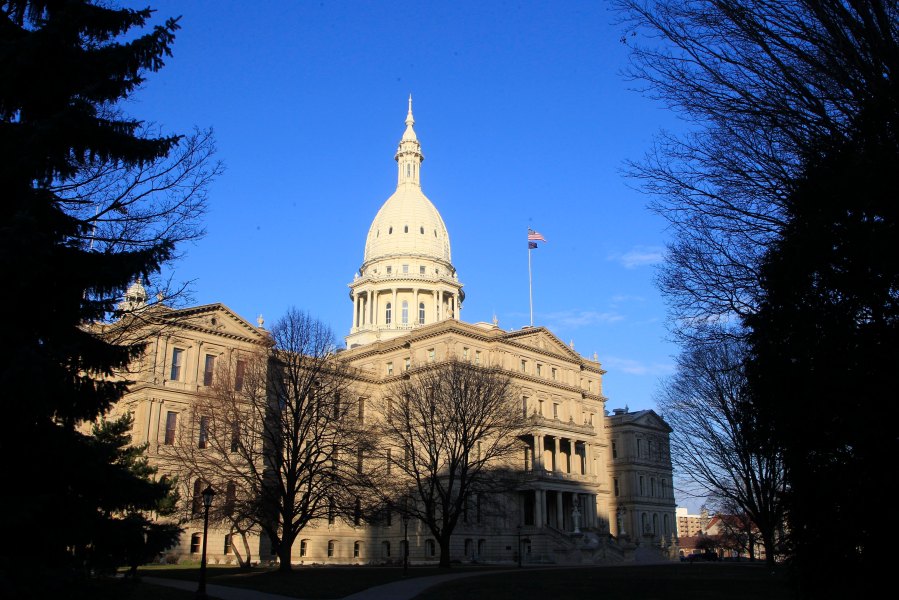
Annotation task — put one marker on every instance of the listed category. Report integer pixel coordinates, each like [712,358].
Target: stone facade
[593,487]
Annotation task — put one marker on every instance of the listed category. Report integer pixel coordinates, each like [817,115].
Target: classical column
[560,514]
[572,446]
[556,452]
[538,451]
[417,314]
[539,508]
[394,312]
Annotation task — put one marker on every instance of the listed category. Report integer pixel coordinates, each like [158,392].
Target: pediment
[216,319]
[542,339]
[649,418]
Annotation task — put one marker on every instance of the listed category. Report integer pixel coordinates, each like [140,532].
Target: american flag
[534,236]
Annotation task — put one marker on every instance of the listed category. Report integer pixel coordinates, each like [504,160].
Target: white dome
[408,224]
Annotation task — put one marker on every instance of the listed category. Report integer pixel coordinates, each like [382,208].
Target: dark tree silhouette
[825,343]
[64,64]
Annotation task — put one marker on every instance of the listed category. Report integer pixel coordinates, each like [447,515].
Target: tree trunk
[284,557]
[445,552]
[769,544]
[248,563]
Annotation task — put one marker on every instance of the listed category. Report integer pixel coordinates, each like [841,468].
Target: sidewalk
[223,592]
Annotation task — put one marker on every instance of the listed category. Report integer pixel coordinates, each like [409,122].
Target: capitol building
[598,484]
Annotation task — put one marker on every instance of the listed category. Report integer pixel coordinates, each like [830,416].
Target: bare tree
[452,429]
[757,82]
[718,443]
[278,434]
[126,206]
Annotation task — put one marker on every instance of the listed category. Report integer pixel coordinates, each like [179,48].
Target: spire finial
[409,120]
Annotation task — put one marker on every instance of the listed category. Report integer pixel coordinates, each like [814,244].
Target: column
[539,508]
[415,308]
[394,310]
[436,304]
[560,514]
[572,446]
[538,451]
[588,458]
[371,307]
[556,452]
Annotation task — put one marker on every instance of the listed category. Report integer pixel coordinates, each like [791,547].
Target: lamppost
[208,493]
[519,545]
[405,544]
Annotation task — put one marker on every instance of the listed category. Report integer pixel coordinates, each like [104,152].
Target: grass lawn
[662,582]
[302,582]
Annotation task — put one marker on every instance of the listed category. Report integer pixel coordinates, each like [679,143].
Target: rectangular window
[235,437]
[614,449]
[641,485]
[204,433]
[464,353]
[390,368]
[230,498]
[171,427]
[539,370]
[524,406]
[421,270]
[524,366]
[617,489]
[332,514]
[331,542]
[228,549]
[239,373]
[405,269]
[553,373]
[407,364]
[360,457]
[477,357]
[555,411]
[195,541]
[389,270]
[177,360]
[209,369]
[304,547]
[431,354]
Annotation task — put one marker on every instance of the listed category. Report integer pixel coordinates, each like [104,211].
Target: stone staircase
[586,547]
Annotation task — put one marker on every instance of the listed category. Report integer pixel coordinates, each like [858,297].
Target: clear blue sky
[524,119]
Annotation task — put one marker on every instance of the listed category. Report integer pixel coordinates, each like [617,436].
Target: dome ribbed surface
[408,224]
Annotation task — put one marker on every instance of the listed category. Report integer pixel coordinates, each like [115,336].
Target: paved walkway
[398,590]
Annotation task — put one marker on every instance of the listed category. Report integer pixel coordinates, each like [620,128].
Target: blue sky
[525,121]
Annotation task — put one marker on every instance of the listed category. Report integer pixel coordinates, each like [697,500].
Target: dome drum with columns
[407,279]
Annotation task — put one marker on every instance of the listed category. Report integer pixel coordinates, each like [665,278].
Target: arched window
[332,544]
[388,313]
[357,549]
[304,548]
[421,313]
[655,524]
[667,525]
[405,313]
[644,523]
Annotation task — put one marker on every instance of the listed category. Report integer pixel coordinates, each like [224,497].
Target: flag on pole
[534,237]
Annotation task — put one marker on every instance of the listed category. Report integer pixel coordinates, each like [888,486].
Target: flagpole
[530,284]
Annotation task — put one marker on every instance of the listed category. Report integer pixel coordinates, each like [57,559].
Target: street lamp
[519,545]
[405,544]
[208,493]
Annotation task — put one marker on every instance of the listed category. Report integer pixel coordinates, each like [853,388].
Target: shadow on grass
[302,582]
[668,582]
